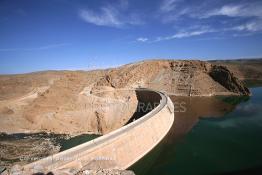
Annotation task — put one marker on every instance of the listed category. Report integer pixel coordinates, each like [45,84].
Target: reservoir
[210,135]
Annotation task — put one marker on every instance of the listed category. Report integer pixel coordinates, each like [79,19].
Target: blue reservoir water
[214,135]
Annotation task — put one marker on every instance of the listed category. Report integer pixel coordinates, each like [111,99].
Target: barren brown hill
[76,102]
[61,102]
[248,70]
[181,78]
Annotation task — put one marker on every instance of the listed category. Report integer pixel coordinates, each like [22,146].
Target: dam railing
[120,148]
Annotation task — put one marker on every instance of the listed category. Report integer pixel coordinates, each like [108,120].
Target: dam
[118,149]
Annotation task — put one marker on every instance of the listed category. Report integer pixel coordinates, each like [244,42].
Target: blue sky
[88,34]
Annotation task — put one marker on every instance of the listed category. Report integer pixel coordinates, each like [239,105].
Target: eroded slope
[100,101]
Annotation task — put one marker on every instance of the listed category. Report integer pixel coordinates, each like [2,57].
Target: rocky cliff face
[244,69]
[182,78]
[76,102]
[223,76]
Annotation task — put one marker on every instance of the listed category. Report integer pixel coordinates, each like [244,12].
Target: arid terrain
[99,101]
[62,103]
[247,70]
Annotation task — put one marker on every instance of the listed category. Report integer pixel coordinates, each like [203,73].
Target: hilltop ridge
[76,102]
[177,77]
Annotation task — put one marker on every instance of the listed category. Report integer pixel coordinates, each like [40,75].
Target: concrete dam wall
[123,147]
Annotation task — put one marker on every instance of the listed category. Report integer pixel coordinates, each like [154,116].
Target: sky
[40,35]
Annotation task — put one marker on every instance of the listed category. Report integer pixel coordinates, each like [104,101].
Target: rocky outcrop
[223,76]
[38,170]
[176,77]
[243,69]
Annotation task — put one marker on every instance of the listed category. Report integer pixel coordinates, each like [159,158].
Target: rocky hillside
[77,102]
[62,103]
[244,69]
[181,78]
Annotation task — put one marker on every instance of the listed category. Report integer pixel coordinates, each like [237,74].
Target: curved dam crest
[118,149]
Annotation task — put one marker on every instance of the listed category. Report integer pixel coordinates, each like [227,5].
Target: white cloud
[186,34]
[168,5]
[240,18]
[237,10]
[46,47]
[112,15]
[171,17]
[227,10]
[107,17]
[142,39]
[190,32]
[252,26]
